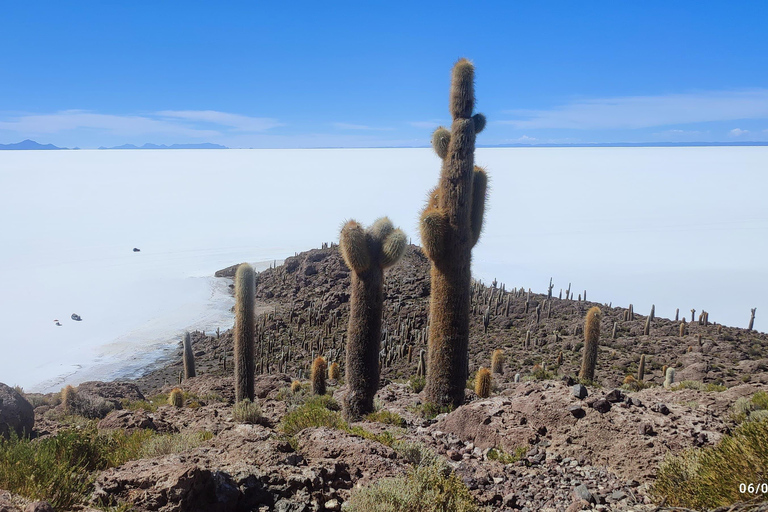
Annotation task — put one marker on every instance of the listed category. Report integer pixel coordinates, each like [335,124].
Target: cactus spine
[591,339]
[367,253]
[483,383]
[497,361]
[317,377]
[189,357]
[641,369]
[245,295]
[450,225]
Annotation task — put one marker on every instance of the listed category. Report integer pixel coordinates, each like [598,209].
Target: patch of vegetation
[710,477]
[247,412]
[430,411]
[387,417]
[750,408]
[507,458]
[699,386]
[417,383]
[430,486]
[313,413]
[61,469]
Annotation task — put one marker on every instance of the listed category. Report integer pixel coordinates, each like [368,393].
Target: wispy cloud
[428,125]
[187,123]
[738,132]
[239,122]
[632,112]
[350,126]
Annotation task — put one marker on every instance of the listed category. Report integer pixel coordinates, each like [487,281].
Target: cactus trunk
[245,331]
[189,357]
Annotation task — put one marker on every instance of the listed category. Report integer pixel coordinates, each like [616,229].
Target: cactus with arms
[367,253]
[451,224]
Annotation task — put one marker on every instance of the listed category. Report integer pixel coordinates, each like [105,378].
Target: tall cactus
[451,224]
[367,253]
[591,340]
[189,357]
[245,331]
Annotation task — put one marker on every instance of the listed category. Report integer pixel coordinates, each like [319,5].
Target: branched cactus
[319,367]
[367,253]
[176,397]
[497,361]
[591,340]
[483,383]
[450,226]
[245,331]
[189,357]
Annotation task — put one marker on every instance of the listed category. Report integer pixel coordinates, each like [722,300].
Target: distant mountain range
[28,144]
[204,145]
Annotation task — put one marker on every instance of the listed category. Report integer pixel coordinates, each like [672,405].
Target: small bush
[700,386]
[426,488]
[507,458]
[246,411]
[167,444]
[416,454]
[430,411]
[417,383]
[314,413]
[387,417]
[749,408]
[710,477]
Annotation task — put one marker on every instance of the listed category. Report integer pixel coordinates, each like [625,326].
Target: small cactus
[641,368]
[682,328]
[560,358]
[591,340]
[69,399]
[483,383]
[334,372]
[517,377]
[670,378]
[497,361]
[647,328]
[176,397]
[319,367]
[189,357]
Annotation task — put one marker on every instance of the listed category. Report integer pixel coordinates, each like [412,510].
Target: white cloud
[244,123]
[350,126]
[738,132]
[429,125]
[646,111]
[185,123]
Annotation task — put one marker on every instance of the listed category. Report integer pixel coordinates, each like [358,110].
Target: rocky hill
[541,441]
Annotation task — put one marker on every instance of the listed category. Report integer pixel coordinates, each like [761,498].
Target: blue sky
[350,74]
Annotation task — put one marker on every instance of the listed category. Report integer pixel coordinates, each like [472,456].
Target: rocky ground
[594,448]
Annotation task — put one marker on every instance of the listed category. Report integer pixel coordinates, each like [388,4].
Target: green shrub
[246,411]
[158,445]
[313,413]
[387,417]
[416,454]
[507,458]
[710,477]
[748,408]
[425,488]
[430,411]
[700,386]
[417,383]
